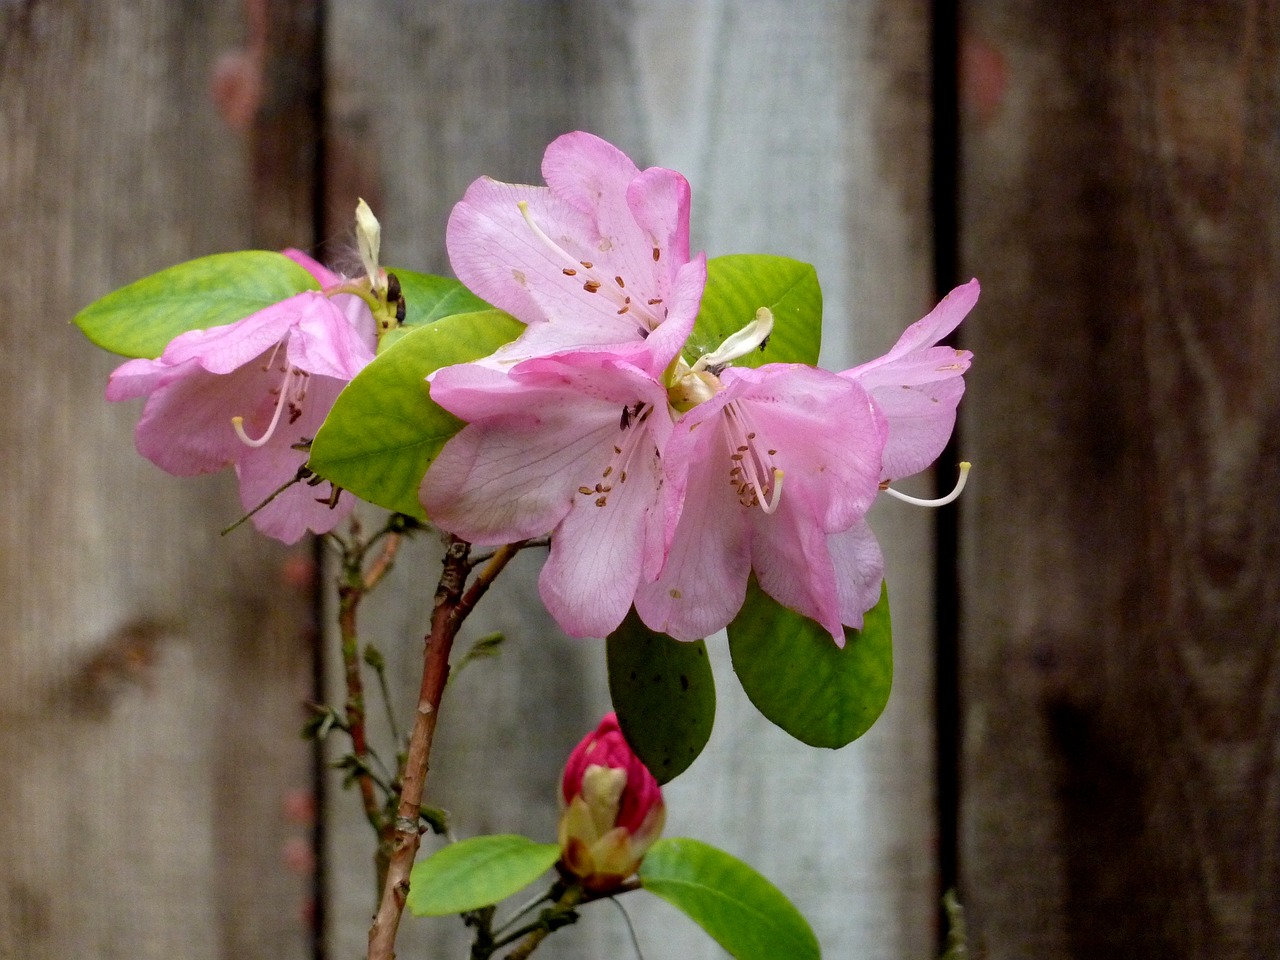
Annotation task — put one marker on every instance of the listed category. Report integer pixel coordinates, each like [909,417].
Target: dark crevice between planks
[944,202]
[288,169]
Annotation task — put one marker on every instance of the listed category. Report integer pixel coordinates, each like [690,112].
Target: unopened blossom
[598,257]
[251,394]
[611,809]
[917,385]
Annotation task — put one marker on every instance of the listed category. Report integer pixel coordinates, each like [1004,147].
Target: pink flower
[572,444]
[247,393]
[611,809]
[774,473]
[598,257]
[918,384]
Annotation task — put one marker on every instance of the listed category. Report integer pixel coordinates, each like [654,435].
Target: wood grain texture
[804,135]
[152,671]
[1122,690]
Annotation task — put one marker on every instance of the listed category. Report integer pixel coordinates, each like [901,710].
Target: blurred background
[1084,734]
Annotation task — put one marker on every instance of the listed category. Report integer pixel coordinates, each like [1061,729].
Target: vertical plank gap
[944,203]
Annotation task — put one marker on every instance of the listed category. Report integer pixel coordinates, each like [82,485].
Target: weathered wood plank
[1122,707]
[153,671]
[803,135]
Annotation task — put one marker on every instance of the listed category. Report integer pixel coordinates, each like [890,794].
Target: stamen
[282,399]
[646,320]
[941,501]
[772,505]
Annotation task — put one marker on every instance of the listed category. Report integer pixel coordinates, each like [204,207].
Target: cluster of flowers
[664,482]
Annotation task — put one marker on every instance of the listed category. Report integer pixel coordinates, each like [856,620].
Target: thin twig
[453,602]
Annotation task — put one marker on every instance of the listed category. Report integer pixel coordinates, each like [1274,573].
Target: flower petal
[859,569]
[704,580]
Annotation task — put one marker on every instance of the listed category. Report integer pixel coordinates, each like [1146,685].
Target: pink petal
[792,563]
[599,552]
[185,426]
[324,342]
[827,436]
[230,346]
[263,470]
[702,585]
[859,570]
[917,386]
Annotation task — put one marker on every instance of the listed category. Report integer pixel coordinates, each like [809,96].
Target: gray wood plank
[153,671]
[804,135]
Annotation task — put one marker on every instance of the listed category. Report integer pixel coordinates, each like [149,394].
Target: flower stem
[453,602]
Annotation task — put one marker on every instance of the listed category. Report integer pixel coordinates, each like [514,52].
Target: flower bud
[611,809]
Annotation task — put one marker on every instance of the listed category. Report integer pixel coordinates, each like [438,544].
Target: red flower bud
[611,809]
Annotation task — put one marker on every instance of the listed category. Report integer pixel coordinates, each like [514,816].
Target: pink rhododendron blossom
[572,444]
[611,809]
[918,384]
[598,257]
[774,473]
[246,393]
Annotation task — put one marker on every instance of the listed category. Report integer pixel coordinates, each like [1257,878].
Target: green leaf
[384,430]
[139,320]
[744,912]
[740,284]
[477,873]
[664,695]
[796,676]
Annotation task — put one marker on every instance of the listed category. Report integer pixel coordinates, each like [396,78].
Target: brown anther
[655,301]
[617,449]
[591,286]
[736,456]
[743,449]
[622,477]
[773,453]
[585,491]
[569,272]
[623,310]
[599,488]
[586,264]
[601,501]
[618,281]
[656,254]
[751,435]
[607,470]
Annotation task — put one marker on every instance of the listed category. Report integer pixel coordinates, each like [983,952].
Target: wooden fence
[1084,733]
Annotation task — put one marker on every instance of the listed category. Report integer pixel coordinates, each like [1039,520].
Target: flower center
[752,473]
[630,422]
[629,303]
[290,393]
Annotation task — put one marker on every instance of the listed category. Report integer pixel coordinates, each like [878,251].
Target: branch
[453,602]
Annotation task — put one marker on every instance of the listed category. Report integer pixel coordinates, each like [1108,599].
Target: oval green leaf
[477,873]
[740,284]
[790,668]
[664,695]
[139,320]
[384,430]
[740,909]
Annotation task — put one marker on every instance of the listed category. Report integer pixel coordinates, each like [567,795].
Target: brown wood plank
[1122,707]
[802,135]
[153,670]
